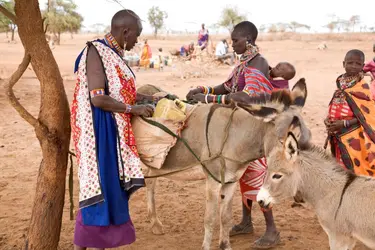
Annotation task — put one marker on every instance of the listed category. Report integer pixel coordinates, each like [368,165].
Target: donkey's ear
[295,128]
[267,114]
[299,93]
[291,147]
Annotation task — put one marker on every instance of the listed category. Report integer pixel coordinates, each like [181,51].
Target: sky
[189,15]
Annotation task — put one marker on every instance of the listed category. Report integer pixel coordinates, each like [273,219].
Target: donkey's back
[356,215]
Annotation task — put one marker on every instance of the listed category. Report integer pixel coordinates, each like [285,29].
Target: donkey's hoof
[157,228]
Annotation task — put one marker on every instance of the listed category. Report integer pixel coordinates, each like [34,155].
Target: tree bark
[53,132]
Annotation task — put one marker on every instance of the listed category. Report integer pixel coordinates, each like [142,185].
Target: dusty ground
[180,204]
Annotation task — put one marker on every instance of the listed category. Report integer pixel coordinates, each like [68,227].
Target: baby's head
[284,70]
[160,49]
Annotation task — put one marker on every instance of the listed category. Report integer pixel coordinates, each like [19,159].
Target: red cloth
[339,110]
[370,67]
[280,84]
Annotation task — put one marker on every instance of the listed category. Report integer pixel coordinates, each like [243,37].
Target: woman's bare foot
[242,228]
[268,240]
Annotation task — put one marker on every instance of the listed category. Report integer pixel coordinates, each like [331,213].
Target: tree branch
[8,14]
[12,98]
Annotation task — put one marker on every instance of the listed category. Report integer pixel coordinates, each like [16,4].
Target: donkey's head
[282,176]
[280,110]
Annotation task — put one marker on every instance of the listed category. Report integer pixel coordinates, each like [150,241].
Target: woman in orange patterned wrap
[351,118]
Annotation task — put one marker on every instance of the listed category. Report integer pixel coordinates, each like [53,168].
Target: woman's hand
[144,110]
[199,97]
[335,126]
[193,92]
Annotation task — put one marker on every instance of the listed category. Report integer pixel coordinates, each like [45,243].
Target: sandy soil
[180,204]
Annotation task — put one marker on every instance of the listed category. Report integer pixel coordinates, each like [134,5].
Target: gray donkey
[343,202]
[235,136]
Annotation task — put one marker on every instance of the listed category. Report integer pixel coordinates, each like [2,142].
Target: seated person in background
[283,70]
[221,52]
[187,50]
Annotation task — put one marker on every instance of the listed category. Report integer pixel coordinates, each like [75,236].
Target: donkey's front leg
[339,242]
[156,225]
[212,194]
[226,199]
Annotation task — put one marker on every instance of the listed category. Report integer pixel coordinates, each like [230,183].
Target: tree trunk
[53,134]
[156,32]
[58,38]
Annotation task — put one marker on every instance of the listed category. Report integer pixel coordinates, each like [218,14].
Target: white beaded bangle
[128,108]
[205,98]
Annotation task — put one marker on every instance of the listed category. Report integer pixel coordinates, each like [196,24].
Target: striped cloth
[252,179]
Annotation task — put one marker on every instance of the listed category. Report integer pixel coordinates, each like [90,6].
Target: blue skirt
[113,212]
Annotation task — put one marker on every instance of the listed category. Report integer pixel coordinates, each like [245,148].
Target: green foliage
[6,24]
[156,18]
[230,16]
[61,16]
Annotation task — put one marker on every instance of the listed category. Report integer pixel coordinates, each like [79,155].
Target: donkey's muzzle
[261,203]
[265,206]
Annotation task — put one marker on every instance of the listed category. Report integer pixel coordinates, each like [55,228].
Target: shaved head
[355,52]
[124,18]
[126,26]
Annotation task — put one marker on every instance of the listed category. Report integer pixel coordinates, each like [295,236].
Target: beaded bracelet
[206,90]
[96,92]
[346,123]
[128,108]
[205,98]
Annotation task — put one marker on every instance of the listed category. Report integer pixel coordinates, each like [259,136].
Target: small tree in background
[156,18]
[294,26]
[273,28]
[331,26]
[61,16]
[354,21]
[230,16]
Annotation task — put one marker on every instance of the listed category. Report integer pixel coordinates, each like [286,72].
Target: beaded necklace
[111,41]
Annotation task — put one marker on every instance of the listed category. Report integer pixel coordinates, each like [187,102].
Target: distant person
[146,55]
[283,70]
[187,50]
[203,37]
[161,59]
[221,52]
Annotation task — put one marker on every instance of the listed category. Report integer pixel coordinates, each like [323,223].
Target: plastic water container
[170,110]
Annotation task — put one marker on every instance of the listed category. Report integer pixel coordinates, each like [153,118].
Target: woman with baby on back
[248,79]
